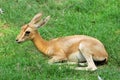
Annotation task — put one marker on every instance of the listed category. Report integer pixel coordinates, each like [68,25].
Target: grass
[97,18]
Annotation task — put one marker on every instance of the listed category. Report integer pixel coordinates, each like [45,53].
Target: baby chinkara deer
[76,48]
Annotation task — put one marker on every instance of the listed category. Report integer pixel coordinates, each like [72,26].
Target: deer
[75,48]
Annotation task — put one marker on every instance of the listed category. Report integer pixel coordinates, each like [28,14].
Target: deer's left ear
[42,22]
[36,19]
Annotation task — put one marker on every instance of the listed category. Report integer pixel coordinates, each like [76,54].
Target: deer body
[76,48]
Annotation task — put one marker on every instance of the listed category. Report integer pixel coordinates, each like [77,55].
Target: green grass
[97,18]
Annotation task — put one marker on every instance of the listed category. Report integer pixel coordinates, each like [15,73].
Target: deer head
[29,30]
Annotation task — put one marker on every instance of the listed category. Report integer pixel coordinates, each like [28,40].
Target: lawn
[96,18]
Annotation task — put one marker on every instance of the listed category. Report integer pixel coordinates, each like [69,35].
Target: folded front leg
[56,59]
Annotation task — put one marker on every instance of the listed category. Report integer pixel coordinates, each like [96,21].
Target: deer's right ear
[42,22]
[36,19]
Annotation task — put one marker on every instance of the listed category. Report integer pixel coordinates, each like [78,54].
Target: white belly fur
[76,57]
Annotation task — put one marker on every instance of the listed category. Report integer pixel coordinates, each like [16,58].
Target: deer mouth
[18,41]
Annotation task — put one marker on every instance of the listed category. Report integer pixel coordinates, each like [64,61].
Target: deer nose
[16,40]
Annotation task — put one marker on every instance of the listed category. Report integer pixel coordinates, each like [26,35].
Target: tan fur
[76,48]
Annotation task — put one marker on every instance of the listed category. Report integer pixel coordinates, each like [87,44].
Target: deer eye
[27,33]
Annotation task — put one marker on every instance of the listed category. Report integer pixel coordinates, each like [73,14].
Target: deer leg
[56,59]
[88,56]
[91,66]
[82,64]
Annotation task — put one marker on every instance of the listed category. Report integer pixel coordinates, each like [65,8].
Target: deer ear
[36,19]
[43,22]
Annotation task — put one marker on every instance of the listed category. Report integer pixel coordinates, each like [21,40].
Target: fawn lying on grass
[76,48]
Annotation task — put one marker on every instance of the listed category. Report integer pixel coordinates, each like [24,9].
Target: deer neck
[40,43]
